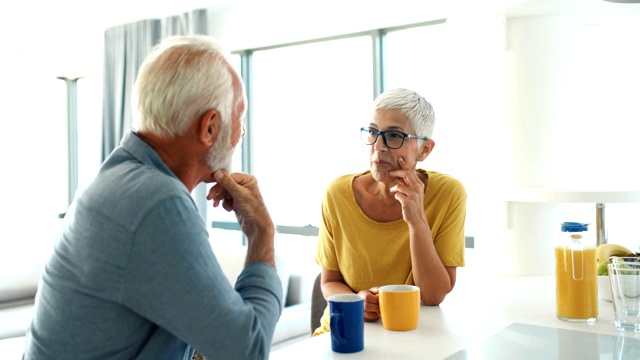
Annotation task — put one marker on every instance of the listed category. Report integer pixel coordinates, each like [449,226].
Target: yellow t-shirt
[369,253]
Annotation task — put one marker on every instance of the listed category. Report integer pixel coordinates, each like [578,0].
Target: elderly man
[133,274]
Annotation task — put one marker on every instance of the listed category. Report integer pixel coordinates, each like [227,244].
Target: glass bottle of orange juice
[576,274]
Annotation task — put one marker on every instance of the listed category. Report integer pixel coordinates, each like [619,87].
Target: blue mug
[347,323]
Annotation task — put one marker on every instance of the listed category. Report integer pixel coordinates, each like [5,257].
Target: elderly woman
[393,224]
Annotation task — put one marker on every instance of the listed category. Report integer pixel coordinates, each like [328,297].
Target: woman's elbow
[432,300]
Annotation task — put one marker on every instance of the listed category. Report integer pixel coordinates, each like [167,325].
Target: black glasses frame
[384,138]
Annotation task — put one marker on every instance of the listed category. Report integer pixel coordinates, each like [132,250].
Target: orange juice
[576,284]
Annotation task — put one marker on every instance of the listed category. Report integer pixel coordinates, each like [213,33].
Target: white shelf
[541,195]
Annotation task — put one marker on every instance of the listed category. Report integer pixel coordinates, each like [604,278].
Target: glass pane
[236,164]
[418,59]
[55,159]
[219,214]
[89,129]
[34,158]
[309,103]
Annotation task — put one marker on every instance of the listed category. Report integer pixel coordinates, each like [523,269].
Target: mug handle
[337,323]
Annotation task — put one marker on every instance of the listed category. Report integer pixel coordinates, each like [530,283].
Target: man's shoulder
[130,188]
[140,178]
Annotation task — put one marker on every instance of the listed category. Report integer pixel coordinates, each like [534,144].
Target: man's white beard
[220,156]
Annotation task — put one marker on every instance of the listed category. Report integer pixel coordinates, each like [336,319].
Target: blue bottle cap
[574,227]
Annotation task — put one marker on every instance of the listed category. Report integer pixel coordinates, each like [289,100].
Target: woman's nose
[379,144]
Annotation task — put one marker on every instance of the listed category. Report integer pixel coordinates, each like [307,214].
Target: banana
[605,251]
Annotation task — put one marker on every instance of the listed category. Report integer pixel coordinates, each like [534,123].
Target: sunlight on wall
[572,125]
[573,98]
[552,102]
[307,126]
[32,146]
[34,151]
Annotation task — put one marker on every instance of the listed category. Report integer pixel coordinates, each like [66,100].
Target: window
[89,128]
[79,157]
[419,58]
[429,60]
[416,59]
[309,104]
[225,222]
[309,100]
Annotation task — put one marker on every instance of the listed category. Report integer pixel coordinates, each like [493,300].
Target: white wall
[573,96]
[573,90]
[43,40]
[568,64]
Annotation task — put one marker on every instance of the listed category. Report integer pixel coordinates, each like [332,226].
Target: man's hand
[239,193]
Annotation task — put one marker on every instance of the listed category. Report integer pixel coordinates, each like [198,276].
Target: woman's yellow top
[369,253]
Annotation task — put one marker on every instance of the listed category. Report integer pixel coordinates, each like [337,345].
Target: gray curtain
[125,48]
[195,22]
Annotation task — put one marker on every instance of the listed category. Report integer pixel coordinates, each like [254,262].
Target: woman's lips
[381,163]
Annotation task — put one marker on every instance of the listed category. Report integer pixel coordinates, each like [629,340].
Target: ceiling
[61,15]
[33,28]
[76,26]
[70,15]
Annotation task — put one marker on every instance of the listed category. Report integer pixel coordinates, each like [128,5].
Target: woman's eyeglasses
[392,139]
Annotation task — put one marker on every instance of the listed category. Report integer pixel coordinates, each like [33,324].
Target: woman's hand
[409,191]
[371,304]
[333,284]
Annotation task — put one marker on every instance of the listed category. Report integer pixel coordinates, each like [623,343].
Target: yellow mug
[399,306]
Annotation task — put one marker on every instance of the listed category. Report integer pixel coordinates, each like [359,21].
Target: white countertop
[478,307]
[544,195]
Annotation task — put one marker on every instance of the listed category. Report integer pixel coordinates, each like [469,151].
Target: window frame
[378,38]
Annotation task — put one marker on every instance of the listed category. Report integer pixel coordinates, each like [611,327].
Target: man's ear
[209,127]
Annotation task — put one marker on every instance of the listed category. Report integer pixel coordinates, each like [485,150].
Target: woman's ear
[209,127]
[425,149]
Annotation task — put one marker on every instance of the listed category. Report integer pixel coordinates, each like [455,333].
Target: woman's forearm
[429,273]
